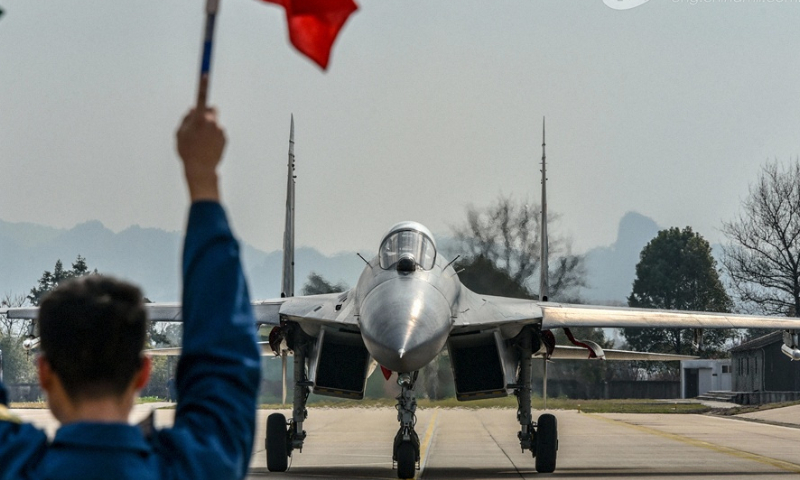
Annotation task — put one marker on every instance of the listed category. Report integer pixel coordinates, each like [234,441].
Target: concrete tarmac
[482,444]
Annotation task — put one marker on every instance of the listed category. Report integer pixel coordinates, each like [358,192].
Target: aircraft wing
[266,350]
[166,351]
[566,352]
[556,315]
[28,313]
[478,311]
[265,311]
[164,312]
[326,308]
[484,312]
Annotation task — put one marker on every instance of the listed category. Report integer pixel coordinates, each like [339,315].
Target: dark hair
[92,332]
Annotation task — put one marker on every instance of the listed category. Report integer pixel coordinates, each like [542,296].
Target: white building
[701,376]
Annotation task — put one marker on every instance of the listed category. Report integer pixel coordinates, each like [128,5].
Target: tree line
[499,247]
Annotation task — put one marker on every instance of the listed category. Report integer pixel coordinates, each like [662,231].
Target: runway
[482,444]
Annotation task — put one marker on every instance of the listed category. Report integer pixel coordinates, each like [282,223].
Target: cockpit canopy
[408,241]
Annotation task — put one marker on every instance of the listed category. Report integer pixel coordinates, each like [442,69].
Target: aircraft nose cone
[404,323]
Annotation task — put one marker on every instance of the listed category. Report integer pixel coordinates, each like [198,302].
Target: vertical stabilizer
[544,273]
[287,282]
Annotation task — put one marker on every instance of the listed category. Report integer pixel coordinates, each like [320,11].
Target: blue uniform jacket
[217,380]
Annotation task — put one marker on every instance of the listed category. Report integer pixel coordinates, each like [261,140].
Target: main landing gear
[541,438]
[406,442]
[283,437]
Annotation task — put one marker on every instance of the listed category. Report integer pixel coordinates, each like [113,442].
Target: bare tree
[316,284]
[11,327]
[17,366]
[507,234]
[763,256]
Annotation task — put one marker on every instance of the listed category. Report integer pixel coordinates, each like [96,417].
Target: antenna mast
[287,282]
[544,277]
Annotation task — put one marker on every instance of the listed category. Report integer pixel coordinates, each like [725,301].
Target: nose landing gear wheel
[546,443]
[276,443]
[406,460]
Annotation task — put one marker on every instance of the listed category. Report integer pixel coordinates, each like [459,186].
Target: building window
[726,369]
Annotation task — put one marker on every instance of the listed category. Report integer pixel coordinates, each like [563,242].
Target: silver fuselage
[405,317]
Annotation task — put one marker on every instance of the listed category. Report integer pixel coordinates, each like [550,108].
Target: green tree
[316,285]
[17,364]
[676,271]
[49,280]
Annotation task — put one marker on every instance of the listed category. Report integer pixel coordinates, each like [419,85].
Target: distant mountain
[148,257]
[612,269]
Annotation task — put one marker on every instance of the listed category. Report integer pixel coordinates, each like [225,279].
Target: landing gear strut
[282,436]
[540,438]
[406,442]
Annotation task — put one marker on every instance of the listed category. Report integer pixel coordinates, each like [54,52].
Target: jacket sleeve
[219,369]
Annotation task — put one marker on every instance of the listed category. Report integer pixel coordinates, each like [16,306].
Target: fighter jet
[409,306]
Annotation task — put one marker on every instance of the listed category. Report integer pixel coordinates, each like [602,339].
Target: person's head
[92,331]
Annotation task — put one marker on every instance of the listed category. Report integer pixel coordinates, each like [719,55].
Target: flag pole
[205,64]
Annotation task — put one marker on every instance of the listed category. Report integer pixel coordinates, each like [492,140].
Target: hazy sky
[668,109]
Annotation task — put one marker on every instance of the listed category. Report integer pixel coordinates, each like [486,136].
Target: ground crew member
[91,365]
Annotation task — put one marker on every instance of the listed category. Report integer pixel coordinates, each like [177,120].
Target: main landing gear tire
[276,443]
[546,443]
[406,460]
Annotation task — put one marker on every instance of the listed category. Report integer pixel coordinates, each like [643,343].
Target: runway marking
[426,442]
[774,462]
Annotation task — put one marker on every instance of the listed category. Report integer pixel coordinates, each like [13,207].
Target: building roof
[760,342]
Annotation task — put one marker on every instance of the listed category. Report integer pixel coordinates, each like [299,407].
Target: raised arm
[219,369]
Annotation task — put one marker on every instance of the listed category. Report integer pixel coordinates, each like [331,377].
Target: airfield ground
[482,444]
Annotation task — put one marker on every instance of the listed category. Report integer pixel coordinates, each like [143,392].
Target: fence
[25,392]
[616,389]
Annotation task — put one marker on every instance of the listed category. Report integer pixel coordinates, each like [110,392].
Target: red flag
[314,24]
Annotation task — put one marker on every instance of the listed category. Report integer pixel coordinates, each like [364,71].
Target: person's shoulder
[7,415]
[12,427]
[21,444]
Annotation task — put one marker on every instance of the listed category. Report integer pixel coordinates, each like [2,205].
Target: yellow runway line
[783,465]
[426,442]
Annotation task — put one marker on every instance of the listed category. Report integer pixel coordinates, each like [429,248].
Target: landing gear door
[313,357]
[508,358]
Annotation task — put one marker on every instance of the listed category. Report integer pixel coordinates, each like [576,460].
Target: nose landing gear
[406,442]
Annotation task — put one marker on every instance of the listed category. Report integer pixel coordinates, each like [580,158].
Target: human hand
[200,143]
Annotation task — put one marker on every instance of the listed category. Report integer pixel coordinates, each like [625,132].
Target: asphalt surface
[482,444]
